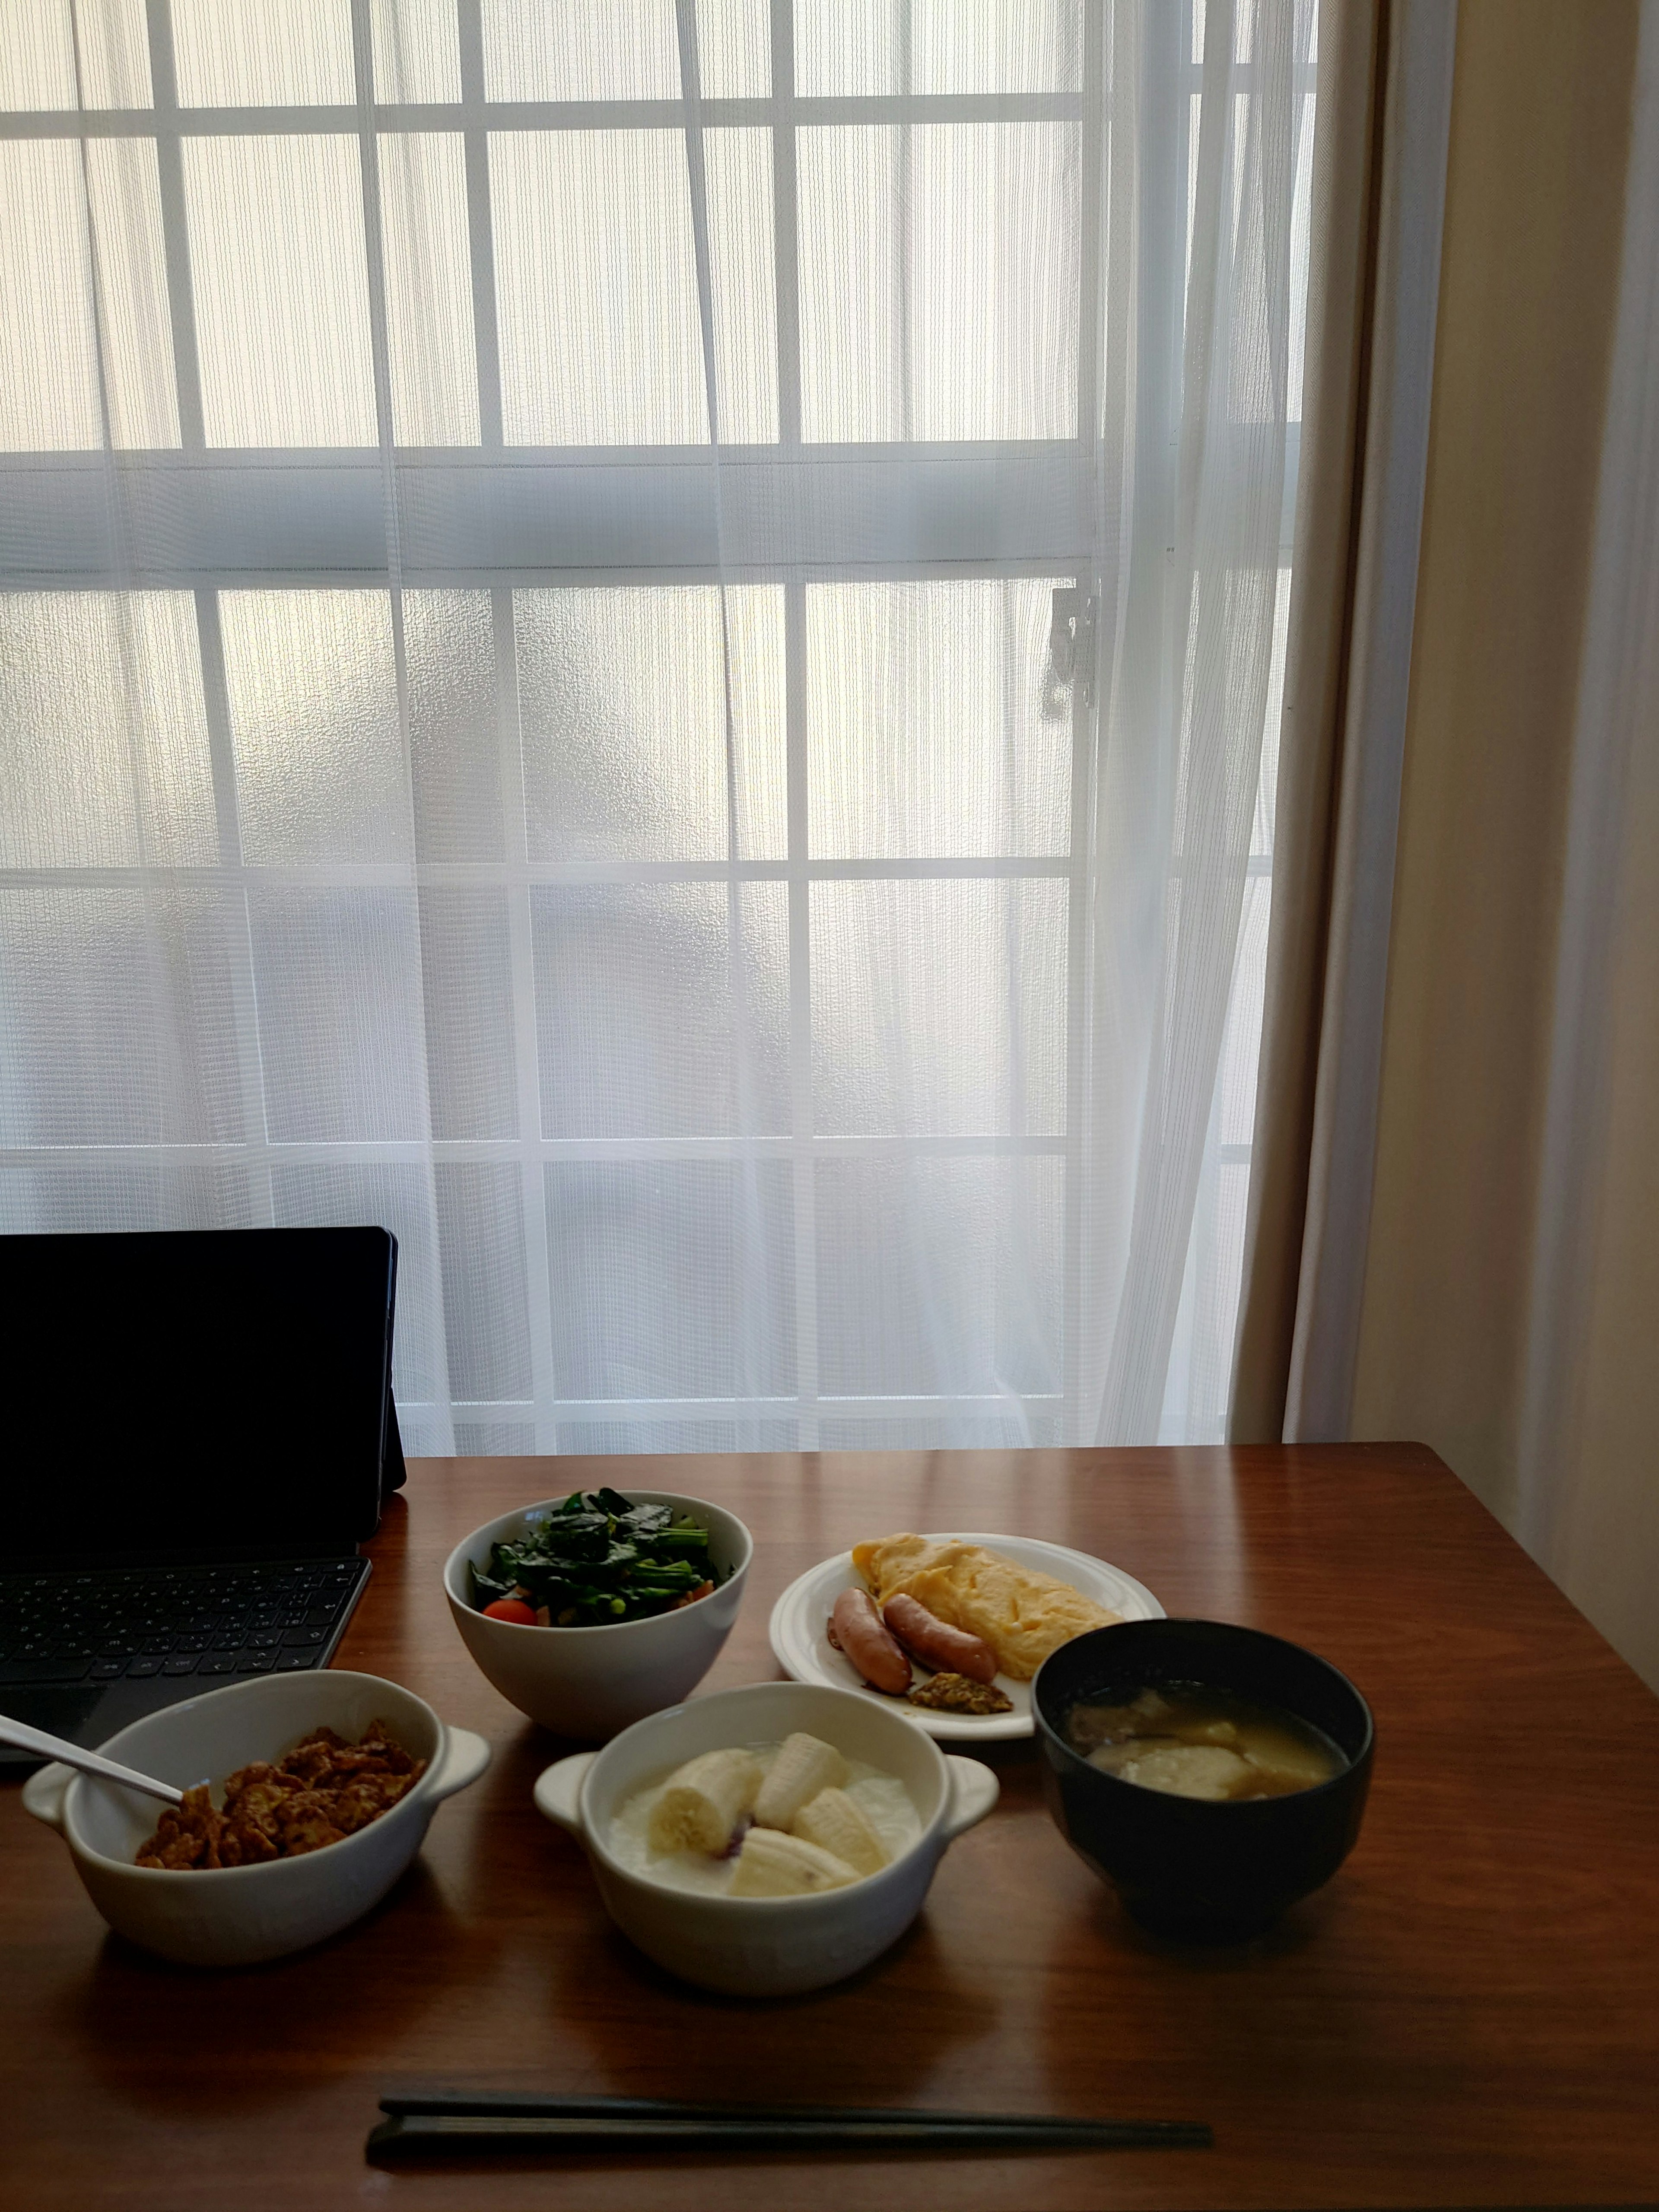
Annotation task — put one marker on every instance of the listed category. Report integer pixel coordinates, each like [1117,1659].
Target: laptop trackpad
[60,1712]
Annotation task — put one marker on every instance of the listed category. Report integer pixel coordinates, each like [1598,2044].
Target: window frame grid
[474,118]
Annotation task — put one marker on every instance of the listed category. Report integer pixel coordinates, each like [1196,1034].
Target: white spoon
[88,1762]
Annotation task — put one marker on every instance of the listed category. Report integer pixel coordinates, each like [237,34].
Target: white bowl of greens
[616,1627]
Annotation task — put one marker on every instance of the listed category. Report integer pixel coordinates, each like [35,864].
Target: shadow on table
[862,2171]
[1292,1933]
[1282,2022]
[181,2039]
[643,2032]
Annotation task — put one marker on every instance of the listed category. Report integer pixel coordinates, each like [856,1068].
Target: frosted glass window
[580,50]
[1020,1426]
[737,179]
[37,57]
[1301,226]
[262,53]
[467,969]
[428,288]
[852,47]
[138,1191]
[48,372]
[281,290]
[622,49]
[396,1197]
[734,49]
[938,1008]
[938,270]
[449,655]
[645,1429]
[596,289]
[661,1012]
[1266,796]
[313,716]
[671,1279]
[1199,1388]
[133,292]
[623,706]
[90,1079]
[119,1004]
[940,1275]
[51,310]
[929,734]
[1249,380]
[338,982]
[418,55]
[104,762]
[1241,1047]
[486,1317]
[37,54]
[605,858]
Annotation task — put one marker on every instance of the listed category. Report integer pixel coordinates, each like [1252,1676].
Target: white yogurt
[882,1798]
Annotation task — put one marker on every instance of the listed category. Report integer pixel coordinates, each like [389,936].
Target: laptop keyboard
[134,1623]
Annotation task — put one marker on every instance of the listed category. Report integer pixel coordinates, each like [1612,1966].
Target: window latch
[1071,649]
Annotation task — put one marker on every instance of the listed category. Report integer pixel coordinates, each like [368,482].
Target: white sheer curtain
[635,638]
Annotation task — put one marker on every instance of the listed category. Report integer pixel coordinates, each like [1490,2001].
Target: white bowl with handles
[238,1916]
[767,1946]
[591,1681]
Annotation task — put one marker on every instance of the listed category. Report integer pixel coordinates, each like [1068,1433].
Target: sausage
[855,1628]
[947,1651]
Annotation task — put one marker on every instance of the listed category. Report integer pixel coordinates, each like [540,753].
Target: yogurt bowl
[591,1681]
[766,1946]
[237,1915]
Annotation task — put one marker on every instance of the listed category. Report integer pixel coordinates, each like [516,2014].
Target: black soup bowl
[1196,1869]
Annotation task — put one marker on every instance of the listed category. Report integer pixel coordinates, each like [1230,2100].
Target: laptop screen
[197,1395]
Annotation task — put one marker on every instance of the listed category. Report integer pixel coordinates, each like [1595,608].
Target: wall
[1604,1547]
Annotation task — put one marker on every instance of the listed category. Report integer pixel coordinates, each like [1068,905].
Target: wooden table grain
[1468,2015]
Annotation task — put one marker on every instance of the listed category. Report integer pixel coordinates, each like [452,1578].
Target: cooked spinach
[596,1559]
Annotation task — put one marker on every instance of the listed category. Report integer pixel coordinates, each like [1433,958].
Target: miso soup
[1191,1742]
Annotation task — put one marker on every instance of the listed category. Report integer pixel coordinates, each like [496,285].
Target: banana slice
[771,1864]
[703,1802]
[839,1825]
[802,1768]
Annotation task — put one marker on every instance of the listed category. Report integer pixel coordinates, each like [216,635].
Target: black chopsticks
[417,2126]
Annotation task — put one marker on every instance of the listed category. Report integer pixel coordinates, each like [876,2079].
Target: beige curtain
[1461,1334]
[1587,1501]
[1385,79]
[1495,1292]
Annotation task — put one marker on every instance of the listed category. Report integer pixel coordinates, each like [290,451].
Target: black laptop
[196,1432]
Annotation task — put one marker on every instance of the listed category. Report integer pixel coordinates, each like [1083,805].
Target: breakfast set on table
[760,1841]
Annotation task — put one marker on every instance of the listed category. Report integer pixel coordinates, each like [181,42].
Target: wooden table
[1468,2015]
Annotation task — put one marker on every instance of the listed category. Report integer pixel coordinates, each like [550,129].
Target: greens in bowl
[594,1560]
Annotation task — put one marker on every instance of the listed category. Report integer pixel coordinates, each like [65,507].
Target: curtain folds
[1188,693]
[1386,72]
[644,641]
[1454,1216]
[1509,1293]
[1584,1499]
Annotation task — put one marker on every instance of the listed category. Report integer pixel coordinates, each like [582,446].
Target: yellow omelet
[1022,1614]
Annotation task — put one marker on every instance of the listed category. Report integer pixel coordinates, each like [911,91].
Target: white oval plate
[803,1649]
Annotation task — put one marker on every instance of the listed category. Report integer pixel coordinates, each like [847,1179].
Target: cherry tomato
[512,1608]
